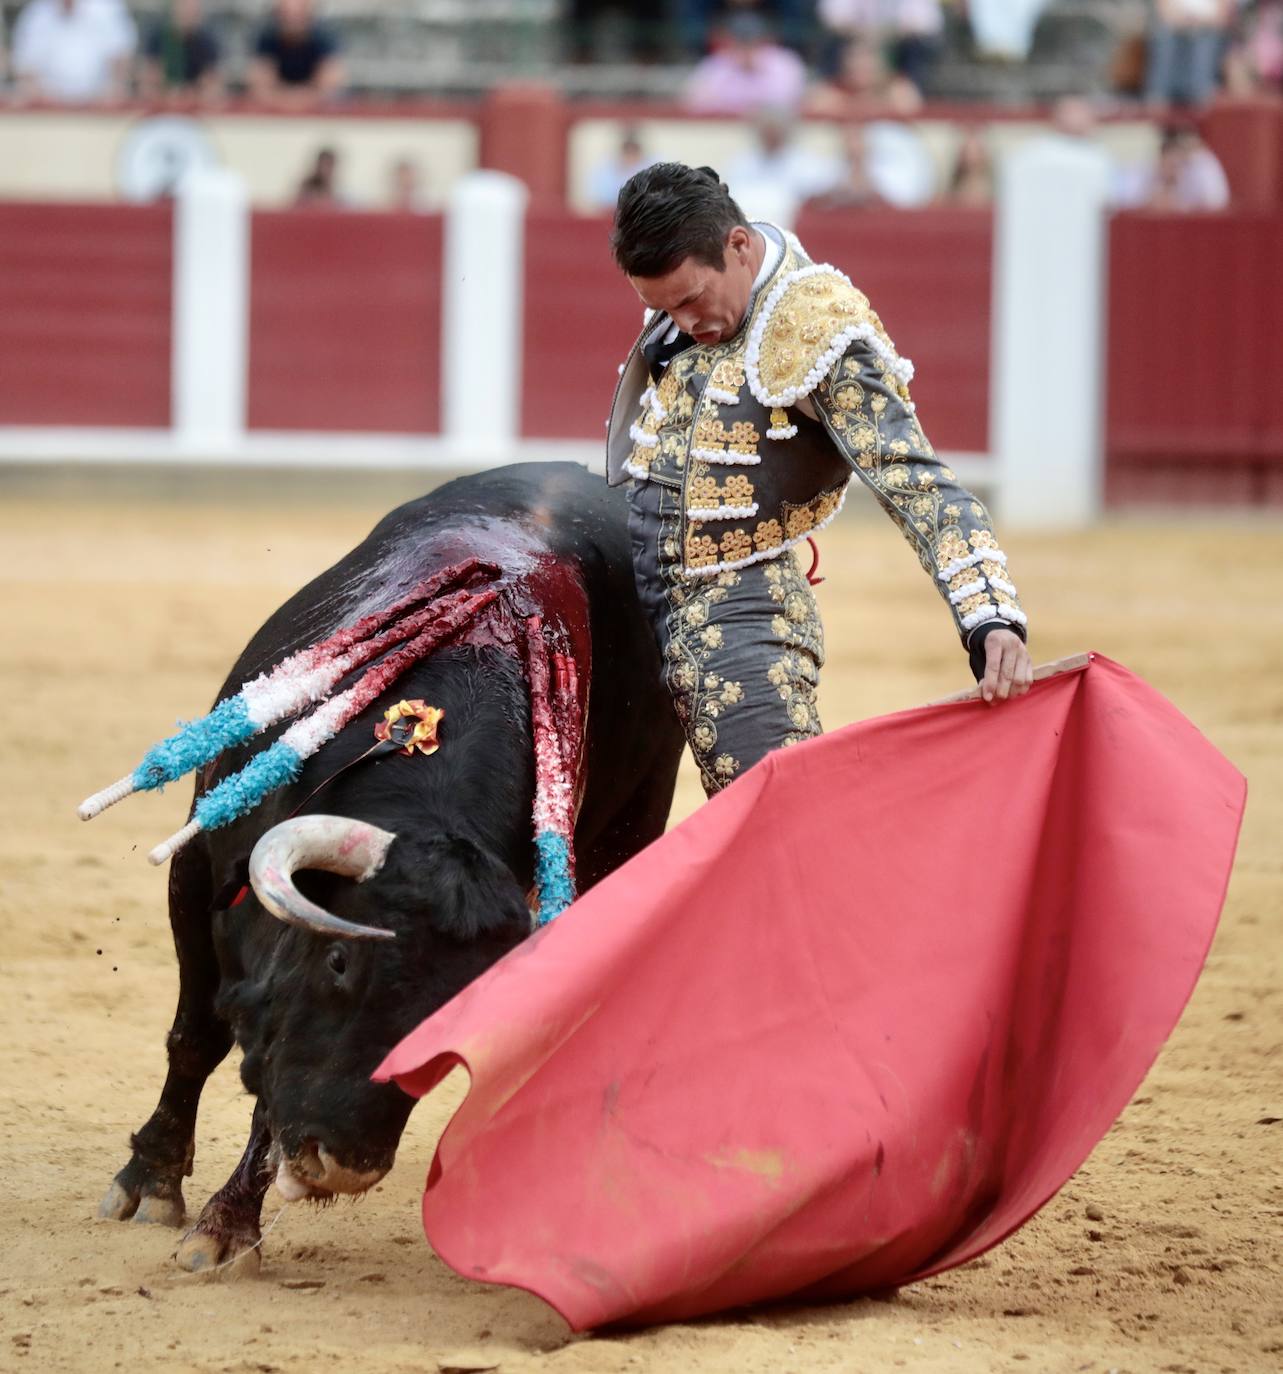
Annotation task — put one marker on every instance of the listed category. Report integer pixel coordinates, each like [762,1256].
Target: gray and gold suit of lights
[737,452]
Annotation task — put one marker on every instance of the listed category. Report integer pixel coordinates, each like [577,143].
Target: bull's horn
[337,844]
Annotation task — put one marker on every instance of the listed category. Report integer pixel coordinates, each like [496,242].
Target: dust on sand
[1163,1253]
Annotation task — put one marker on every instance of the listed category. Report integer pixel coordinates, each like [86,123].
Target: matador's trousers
[741,651]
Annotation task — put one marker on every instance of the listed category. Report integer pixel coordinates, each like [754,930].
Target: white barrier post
[211,309]
[481,318]
[1046,390]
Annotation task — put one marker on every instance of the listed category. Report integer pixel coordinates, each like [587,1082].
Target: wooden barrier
[85,307]
[345,322]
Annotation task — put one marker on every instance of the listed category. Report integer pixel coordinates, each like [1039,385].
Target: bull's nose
[315,1171]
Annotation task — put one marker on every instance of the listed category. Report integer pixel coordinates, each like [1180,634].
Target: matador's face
[705,302]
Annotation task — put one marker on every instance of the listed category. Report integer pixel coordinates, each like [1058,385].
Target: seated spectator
[884,162]
[181,55]
[407,196]
[908,30]
[73,51]
[1186,176]
[1185,45]
[862,86]
[1254,62]
[853,188]
[971,183]
[319,188]
[698,21]
[750,72]
[607,178]
[296,63]
[778,169]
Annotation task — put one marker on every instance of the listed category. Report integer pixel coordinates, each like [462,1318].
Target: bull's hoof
[161,1211]
[124,1202]
[232,1255]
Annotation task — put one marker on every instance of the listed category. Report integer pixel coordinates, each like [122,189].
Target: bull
[316,998]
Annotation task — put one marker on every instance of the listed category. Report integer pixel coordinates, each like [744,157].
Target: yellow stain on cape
[768,1164]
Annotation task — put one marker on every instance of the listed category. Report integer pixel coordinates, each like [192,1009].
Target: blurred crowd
[744,55]
[866,65]
[92,51]
[888,163]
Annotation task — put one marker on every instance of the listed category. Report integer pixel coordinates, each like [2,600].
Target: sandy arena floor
[1164,1253]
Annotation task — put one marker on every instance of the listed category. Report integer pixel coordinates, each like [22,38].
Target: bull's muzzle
[315,1173]
[337,844]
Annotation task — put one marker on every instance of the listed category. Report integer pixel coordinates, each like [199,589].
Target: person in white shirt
[73,51]
[778,174]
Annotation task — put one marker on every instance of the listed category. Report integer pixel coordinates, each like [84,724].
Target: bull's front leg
[150,1187]
[227,1230]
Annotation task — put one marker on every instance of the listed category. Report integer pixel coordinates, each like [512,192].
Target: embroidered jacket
[762,433]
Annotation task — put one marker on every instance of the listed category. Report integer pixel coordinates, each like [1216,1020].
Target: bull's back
[510,515]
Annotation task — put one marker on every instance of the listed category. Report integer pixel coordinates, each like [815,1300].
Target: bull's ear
[471,893]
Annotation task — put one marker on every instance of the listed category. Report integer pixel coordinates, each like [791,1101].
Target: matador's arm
[864,404]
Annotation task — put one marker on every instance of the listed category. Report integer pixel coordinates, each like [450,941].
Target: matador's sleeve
[824,350]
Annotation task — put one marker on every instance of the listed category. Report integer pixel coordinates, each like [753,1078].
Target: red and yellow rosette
[412,724]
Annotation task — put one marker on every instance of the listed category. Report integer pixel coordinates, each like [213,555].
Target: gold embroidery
[799,330]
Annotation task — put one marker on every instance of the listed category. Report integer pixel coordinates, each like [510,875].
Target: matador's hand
[1008,668]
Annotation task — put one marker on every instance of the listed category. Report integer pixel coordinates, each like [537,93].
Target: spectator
[1254,63]
[406,188]
[909,30]
[883,162]
[73,51]
[1186,176]
[750,72]
[698,20]
[1185,45]
[1004,28]
[181,55]
[971,182]
[863,86]
[778,169]
[606,179]
[296,63]
[319,188]
[853,188]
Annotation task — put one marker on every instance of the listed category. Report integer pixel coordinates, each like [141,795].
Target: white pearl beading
[721,512]
[785,432]
[734,565]
[640,436]
[980,556]
[717,455]
[900,368]
[970,589]
[721,395]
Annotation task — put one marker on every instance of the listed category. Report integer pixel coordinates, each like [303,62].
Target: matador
[760,384]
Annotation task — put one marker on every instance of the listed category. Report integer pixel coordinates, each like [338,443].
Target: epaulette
[808,321]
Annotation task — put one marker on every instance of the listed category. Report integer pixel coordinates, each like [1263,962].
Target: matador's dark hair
[670,212]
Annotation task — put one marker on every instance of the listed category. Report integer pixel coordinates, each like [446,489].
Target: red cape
[851,1023]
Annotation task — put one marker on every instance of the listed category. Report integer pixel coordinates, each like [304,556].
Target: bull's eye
[337,961]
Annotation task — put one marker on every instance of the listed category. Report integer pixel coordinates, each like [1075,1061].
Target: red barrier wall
[84,314]
[345,321]
[926,273]
[581,317]
[1195,404]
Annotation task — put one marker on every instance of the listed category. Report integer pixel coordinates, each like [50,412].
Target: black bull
[315,1015]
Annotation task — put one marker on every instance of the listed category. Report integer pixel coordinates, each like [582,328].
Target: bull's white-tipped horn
[337,844]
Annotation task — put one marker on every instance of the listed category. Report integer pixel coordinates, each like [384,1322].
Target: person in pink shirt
[748,72]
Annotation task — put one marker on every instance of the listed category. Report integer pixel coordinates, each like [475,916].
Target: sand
[1163,1253]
